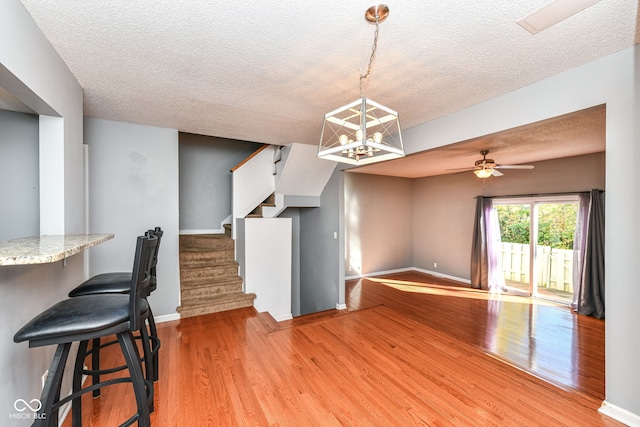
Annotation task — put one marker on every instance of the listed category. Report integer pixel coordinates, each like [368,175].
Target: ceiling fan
[484,168]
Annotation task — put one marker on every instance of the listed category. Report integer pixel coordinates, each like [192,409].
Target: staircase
[209,281]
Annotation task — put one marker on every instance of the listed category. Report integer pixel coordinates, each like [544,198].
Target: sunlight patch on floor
[459,292]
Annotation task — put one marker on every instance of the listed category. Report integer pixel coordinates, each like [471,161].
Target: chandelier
[362,131]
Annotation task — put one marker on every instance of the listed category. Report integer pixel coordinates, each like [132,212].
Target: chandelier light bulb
[343,139]
[377,137]
[359,135]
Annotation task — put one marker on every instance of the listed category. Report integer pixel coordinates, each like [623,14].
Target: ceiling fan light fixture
[483,173]
[362,131]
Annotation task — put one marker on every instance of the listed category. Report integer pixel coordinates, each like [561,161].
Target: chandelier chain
[372,58]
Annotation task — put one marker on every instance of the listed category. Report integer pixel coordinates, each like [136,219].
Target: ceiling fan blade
[514,166]
[496,173]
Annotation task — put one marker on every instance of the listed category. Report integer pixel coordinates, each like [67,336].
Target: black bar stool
[118,283]
[88,317]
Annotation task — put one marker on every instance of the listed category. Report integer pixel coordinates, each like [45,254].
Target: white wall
[33,72]
[294,215]
[133,186]
[301,172]
[614,81]
[264,251]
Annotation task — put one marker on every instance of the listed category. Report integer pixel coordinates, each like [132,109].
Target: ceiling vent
[553,13]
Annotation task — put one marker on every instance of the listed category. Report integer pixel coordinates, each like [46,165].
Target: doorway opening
[537,253]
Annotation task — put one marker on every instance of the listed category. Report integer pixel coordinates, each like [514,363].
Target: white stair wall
[264,253]
[252,183]
[294,173]
[301,172]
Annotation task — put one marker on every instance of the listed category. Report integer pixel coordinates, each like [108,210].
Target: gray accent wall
[398,223]
[205,178]
[19,194]
[133,186]
[444,206]
[321,256]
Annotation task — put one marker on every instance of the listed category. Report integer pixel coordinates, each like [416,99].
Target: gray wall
[321,258]
[397,223]
[133,186]
[20,208]
[444,206]
[205,179]
[378,223]
[32,71]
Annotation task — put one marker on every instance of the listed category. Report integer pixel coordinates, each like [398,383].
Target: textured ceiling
[574,134]
[268,71]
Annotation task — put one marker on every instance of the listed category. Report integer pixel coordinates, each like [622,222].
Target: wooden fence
[553,270]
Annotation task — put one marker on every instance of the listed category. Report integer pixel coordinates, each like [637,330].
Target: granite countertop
[45,249]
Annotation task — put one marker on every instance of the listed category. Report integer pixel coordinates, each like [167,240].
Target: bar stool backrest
[158,233]
[140,278]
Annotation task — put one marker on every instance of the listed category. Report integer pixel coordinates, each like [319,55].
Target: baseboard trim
[203,231]
[167,317]
[341,306]
[403,270]
[379,273]
[282,317]
[444,276]
[619,414]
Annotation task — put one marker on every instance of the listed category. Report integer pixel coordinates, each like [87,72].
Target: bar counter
[46,249]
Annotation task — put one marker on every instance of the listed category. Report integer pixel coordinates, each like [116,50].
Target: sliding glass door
[537,245]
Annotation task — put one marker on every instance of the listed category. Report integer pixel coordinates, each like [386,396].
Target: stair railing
[252,182]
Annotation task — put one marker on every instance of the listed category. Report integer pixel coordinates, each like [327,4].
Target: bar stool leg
[52,388]
[76,405]
[153,332]
[132,358]
[148,358]
[95,365]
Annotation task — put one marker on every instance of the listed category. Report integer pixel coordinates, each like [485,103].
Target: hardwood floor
[410,350]
[543,338]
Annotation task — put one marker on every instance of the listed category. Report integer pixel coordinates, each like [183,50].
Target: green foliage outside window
[556,224]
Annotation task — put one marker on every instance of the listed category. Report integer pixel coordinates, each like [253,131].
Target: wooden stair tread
[197,265]
[197,282]
[209,280]
[197,242]
[221,298]
[215,304]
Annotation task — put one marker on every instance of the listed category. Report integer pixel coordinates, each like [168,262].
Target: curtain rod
[514,196]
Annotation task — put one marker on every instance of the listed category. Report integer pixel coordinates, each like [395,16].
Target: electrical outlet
[435,265]
[44,377]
